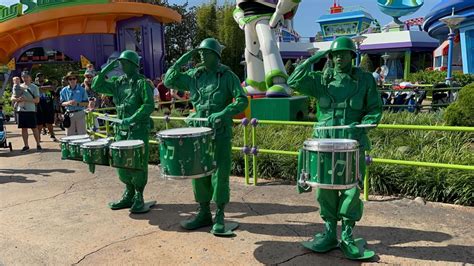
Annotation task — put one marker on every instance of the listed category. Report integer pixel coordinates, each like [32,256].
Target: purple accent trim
[254,150]
[254,122]
[95,47]
[368,160]
[245,121]
[151,48]
[293,55]
[246,149]
[384,46]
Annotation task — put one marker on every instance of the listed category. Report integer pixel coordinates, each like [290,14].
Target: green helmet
[211,44]
[343,44]
[130,56]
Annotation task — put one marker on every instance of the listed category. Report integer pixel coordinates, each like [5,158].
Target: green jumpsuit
[343,98]
[212,92]
[133,98]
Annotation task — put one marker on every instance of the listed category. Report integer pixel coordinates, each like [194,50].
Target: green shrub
[434,77]
[6,101]
[461,112]
[366,64]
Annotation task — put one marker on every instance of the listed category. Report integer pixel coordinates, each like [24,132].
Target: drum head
[95,144]
[329,145]
[75,137]
[80,141]
[127,144]
[184,132]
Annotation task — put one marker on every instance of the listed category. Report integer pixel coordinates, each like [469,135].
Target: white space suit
[266,73]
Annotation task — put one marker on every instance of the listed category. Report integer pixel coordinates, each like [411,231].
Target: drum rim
[74,143]
[112,147]
[66,140]
[331,186]
[208,173]
[346,145]
[102,144]
[160,134]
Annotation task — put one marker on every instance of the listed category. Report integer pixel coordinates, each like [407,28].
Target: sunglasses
[72,79]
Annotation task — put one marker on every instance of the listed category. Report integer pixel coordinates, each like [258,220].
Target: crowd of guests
[40,104]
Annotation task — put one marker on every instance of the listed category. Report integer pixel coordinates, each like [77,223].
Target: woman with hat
[74,98]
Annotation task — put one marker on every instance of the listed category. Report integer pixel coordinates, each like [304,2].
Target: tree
[206,19]
[232,37]
[180,37]
[366,63]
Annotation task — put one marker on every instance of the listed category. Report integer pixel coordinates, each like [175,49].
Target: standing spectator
[74,98]
[45,112]
[156,92]
[27,113]
[164,94]
[94,97]
[45,108]
[58,109]
[379,79]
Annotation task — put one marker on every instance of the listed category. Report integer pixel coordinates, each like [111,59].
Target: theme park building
[44,32]
[409,49]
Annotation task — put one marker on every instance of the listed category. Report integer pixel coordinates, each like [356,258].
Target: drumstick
[111,119]
[346,127]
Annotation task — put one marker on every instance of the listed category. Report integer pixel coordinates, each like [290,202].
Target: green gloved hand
[216,117]
[316,57]
[186,57]
[112,65]
[127,122]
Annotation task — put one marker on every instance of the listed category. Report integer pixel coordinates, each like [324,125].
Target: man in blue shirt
[74,98]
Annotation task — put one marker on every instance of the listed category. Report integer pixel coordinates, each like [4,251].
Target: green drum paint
[127,154]
[96,152]
[74,148]
[187,152]
[329,163]
[65,144]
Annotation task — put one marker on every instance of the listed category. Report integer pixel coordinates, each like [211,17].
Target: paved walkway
[54,212]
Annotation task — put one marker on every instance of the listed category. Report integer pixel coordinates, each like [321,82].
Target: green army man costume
[213,86]
[133,98]
[346,95]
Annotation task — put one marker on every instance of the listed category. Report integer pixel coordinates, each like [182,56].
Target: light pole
[452,22]
[358,40]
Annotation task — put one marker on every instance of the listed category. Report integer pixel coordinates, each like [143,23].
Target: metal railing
[250,147]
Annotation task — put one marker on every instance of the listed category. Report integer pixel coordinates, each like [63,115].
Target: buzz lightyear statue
[266,73]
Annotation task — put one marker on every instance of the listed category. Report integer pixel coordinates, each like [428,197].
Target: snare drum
[74,148]
[96,152]
[329,164]
[127,154]
[186,152]
[65,147]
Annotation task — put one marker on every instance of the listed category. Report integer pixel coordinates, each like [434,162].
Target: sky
[310,10]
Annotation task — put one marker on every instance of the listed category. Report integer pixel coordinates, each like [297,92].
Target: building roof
[356,14]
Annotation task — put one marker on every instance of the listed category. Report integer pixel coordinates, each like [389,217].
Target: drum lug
[302,181]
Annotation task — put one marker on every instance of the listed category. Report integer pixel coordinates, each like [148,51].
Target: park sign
[16,10]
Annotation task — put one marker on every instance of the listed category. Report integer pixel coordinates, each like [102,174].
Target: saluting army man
[213,86]
[346,96]
[133,97]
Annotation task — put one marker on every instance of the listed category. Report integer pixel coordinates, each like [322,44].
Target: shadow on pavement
[17,152]
[41,172]
[15,179]
[389,242]
[168,216]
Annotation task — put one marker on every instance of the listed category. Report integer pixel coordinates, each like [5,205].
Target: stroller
[3,134]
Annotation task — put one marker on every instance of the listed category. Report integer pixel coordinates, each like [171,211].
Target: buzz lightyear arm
[283,7]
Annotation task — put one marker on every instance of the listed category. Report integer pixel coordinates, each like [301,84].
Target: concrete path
[54,212]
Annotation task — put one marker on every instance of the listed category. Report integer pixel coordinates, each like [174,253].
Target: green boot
[138,203]
[203,218]
[126,201]
[219,226]
[325,241]
[353,249]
